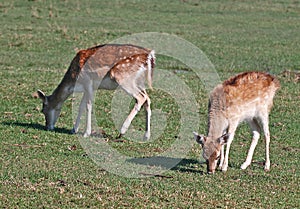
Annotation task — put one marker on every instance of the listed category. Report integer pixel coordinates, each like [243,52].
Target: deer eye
[217,158]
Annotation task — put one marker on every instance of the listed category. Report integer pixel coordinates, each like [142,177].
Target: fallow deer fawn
[244,97]
[103,67]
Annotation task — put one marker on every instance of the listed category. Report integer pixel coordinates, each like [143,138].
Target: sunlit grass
[51,169]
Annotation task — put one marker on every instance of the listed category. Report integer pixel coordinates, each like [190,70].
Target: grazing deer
[244,97]
[103,67]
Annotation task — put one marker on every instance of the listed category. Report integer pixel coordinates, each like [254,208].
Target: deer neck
[217,125]
[61,93]
[217,121]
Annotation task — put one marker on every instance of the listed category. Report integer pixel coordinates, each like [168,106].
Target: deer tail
[151,64]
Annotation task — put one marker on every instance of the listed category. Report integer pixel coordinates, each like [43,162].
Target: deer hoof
[73,131]
[86,135]
[120,135]
[244,166]
[267,166]
[147,136]
[224,168]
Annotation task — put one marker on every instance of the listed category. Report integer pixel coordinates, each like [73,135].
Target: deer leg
[265,124]
[80,111]
[89,100]
[231,132]
[148,116]
[221,157]
[140,100]
[256,134]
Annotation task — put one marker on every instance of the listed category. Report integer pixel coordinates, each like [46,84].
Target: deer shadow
[176,164]
[36,126]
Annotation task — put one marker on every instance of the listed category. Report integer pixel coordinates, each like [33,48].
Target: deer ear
[42,96]
[223,139]
[199,138]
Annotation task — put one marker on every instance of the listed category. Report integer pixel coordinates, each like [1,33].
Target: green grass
[50,169]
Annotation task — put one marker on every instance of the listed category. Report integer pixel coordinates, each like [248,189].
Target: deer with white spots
[103,67]
[244,97]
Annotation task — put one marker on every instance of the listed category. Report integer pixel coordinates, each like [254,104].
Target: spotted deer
[103,67]
[245,97]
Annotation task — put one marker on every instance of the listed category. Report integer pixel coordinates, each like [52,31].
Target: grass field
[41,169]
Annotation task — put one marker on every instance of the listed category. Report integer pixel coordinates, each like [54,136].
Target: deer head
[50,111]
[211,149]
